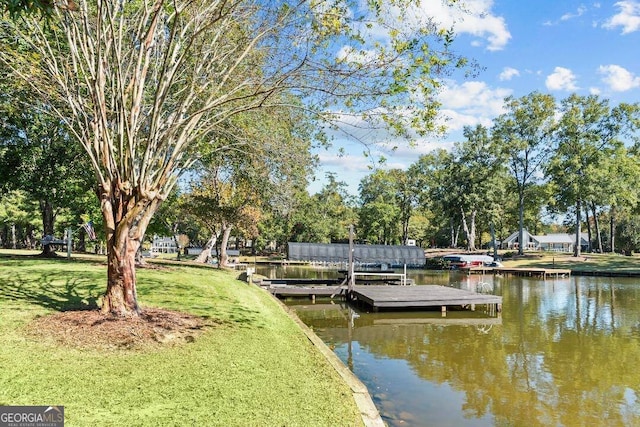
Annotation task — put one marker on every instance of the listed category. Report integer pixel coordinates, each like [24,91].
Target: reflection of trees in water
[565,354]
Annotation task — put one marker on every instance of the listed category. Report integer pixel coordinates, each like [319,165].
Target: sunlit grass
[585,262]
[255,368]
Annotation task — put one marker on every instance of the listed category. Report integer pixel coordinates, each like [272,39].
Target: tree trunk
[48,221]
[13,236]
[205,255]
[139,258]
[456,235]
[492,230]
[121,298]
[224,256]
[586,216]
[469,230]
[472,236]
[406,217]
[179,248]
[596,224]
[576,248]
[454,240]
[127,214]
[521,223]
[612,229]
[82,242]
[29,238]
[176,239]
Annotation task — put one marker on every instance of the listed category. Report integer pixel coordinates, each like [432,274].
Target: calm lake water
[564,352]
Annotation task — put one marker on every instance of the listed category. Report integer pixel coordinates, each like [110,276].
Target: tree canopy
[145,84]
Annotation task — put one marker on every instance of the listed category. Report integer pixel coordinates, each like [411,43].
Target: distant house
[556,242]
[163,245]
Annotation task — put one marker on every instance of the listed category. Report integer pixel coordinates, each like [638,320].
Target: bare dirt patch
[89,329]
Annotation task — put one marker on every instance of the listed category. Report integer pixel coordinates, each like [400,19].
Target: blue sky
[556,47]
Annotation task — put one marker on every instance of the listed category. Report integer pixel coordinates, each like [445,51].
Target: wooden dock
[520,271]
[309,291]
[425,296]
[395,297]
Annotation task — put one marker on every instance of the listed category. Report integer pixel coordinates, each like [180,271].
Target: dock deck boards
[420,296]
[519,271]
[532,271]
[301,291]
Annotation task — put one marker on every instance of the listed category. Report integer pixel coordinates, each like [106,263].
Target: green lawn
[586,262]
[253,368]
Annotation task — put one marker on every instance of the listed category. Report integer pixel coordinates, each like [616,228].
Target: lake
[563,352]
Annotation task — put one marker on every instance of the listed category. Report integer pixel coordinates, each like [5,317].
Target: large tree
[590,136]
[387,198]
[148,81]
[38,155]
[267,156]
[525,133]
[433,172]
[477,179]
[580,148]
[324,217]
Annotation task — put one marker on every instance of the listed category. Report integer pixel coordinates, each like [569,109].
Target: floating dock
[521,271]
[378,297]
[309,291]
[420,297]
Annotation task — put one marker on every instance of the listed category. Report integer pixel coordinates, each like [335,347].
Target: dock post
[444,310]
[473,307]
[69,236]
[352,279]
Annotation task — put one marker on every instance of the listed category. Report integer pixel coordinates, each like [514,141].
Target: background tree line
[543,165]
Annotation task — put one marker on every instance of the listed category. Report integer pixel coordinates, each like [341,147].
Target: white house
[556,242]
[163,245]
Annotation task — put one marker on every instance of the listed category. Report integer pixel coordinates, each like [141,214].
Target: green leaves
[15,8]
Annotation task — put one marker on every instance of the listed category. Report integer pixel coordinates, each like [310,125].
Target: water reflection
[564,353]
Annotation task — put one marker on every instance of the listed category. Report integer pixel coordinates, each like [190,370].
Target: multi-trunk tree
[145,83]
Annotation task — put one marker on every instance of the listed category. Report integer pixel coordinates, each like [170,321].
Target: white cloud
[561,79]
[471,103]
[508,73]
[347,162]
[581,10]
[628,17]
[406,154]
[455,120]
[618,78]
[474,17]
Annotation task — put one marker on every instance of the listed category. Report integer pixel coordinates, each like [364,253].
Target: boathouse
[369,255]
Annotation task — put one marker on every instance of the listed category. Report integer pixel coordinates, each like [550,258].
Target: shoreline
[368,410]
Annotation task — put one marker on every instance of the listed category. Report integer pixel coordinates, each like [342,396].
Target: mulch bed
[90,329]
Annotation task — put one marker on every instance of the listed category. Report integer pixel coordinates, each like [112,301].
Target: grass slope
[254,368]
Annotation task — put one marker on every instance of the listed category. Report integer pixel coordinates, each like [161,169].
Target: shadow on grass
[54,291]
[61,289]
